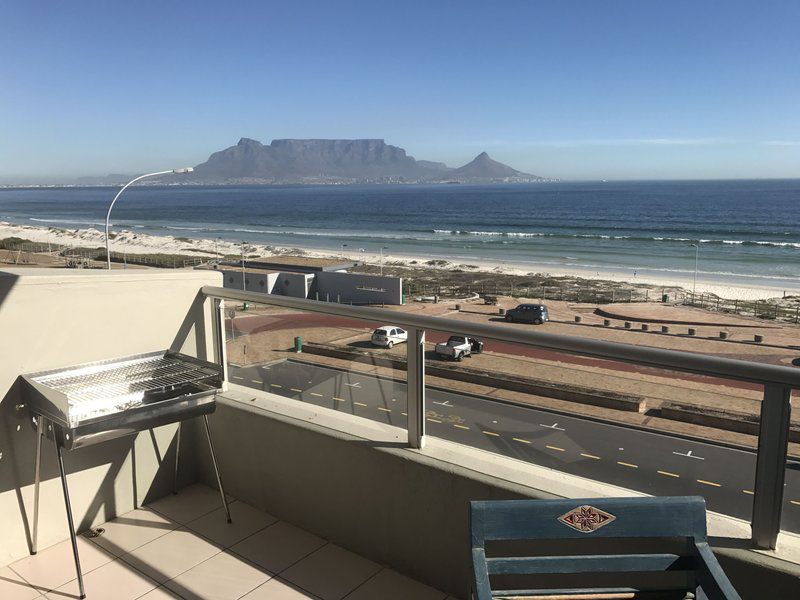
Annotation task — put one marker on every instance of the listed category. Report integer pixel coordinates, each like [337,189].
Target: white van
[389,335]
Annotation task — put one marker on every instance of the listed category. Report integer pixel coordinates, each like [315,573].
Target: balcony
[374,456]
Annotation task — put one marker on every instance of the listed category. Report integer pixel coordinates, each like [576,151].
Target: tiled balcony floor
[181,547]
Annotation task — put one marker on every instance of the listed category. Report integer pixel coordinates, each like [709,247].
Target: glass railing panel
[639,428]
[328,361]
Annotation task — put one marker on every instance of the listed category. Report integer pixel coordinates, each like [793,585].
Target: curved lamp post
[124,187]
[696,258]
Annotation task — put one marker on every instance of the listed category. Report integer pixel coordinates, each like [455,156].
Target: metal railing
[778,382]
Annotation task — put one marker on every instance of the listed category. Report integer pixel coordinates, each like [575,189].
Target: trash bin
[664,298]
[298,344]
[245,306]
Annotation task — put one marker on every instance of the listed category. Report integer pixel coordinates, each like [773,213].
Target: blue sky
[577,90]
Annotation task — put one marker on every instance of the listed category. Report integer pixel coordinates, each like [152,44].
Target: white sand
[132,242]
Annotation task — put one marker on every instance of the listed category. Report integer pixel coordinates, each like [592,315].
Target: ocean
[745,229]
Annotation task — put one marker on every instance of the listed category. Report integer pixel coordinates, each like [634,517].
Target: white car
[388,335]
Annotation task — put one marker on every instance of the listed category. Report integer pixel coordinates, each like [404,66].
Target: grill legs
[177,456]
[216,468]
[39,436]
[70,522]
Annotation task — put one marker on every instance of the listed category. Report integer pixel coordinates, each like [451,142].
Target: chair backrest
[641,517]
[616,522]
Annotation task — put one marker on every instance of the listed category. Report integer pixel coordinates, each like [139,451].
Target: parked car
[459,346]
[528,313]
[491,300]
[388,335]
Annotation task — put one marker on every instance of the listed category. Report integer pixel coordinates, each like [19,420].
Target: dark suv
[528,313]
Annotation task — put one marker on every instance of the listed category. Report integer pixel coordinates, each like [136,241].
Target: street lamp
[243,273]
[696,257]
[124,187]
[341,250]
[382,249]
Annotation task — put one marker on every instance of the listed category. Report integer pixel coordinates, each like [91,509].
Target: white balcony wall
[52,318]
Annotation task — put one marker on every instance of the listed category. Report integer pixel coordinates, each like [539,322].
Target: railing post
[219,337]
[416,388]
[773,440]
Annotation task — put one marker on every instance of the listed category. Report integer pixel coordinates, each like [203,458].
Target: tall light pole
[119,193]
[243,275]
[382,249]
[696,257]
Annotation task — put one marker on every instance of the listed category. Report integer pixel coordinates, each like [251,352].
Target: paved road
[649,462]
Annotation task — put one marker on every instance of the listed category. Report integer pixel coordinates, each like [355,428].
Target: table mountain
[338,161]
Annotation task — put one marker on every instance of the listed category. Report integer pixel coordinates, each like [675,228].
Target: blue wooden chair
[602,548]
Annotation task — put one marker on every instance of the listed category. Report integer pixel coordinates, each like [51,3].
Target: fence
[761,309]
[778,381]
[545,292]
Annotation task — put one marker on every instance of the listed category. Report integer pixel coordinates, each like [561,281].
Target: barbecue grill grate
[100,389]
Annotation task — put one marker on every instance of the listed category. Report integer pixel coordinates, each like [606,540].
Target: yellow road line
[555,448]
[433,420]
[460,426]
[667,473]
[275,385]
[704,482]
[338,399]
[624,464]
[295,390]
[795,502]
[521,440]
[316,394]
[492,433]
[359,403]
[590,456]
[384,409]
[749,492]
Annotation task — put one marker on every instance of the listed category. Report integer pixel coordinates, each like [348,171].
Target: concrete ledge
[516,383]
[730,420]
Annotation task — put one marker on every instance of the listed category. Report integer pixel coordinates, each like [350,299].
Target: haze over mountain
[340,161]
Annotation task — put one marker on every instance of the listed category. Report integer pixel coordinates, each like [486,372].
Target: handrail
[690,362]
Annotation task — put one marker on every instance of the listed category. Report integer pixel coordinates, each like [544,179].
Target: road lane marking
[553,426]
[704,482]
[338,399]
[394,399]
[460,426]
[667,473]
[384,409]
[624,464]
[275,385]
[556,448]
[296,390]
[445,403]
[748,492]
[355,385]
[433,420]
[239,378]
[590,456]
[492,433]
[316,394]
[405,414]
[795,502]
[521,440]
[258,381]
[689,455]
[359,403]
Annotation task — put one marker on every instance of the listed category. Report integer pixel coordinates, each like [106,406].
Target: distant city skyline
[571,90]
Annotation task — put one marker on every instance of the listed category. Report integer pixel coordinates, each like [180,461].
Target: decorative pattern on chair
[586,519]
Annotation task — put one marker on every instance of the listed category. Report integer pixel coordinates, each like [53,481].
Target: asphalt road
[653,463]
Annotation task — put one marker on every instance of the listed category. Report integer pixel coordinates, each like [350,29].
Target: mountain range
[340,161]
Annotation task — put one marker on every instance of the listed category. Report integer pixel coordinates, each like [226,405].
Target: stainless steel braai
[94,402]
[91,403]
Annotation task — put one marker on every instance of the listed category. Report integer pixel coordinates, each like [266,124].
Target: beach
[136,242]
